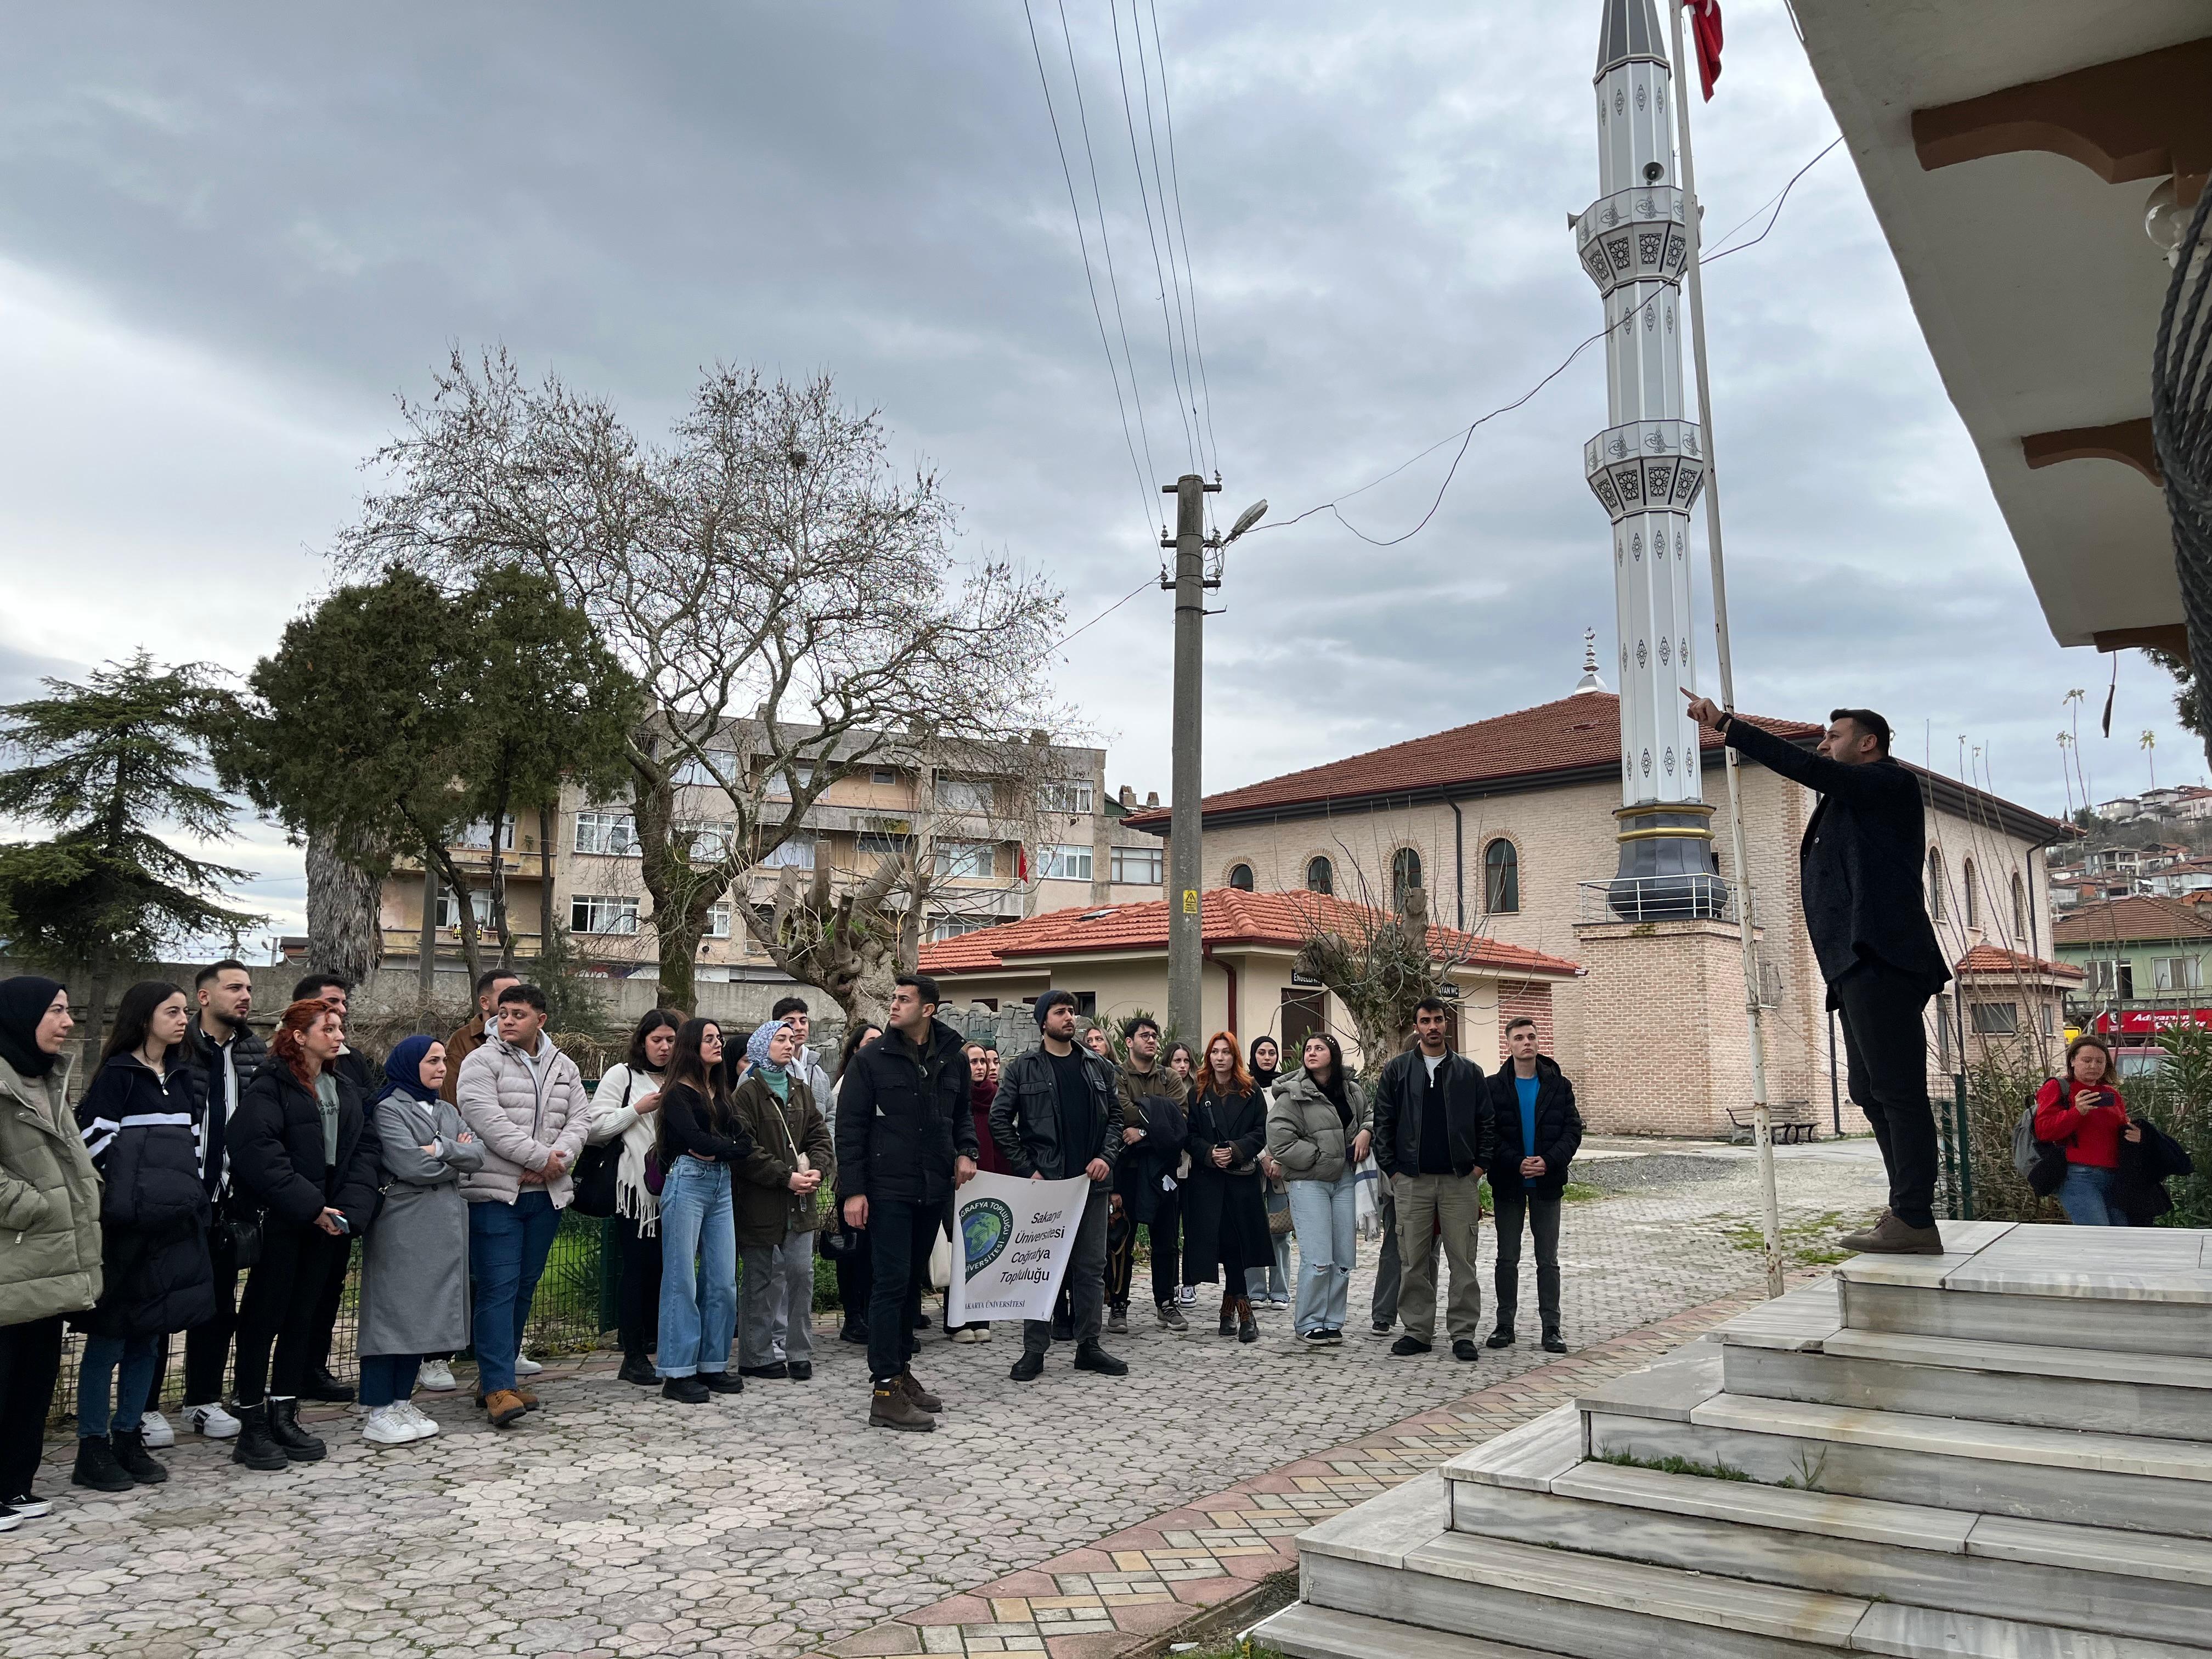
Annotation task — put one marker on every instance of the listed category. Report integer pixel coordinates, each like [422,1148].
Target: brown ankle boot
[892,1407]
[1229,1316]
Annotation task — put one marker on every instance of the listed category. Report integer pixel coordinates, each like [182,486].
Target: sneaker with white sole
[155,1430]
[29,1507]
[210,1422]
[1187,1295]
[436,1375]
[387,1427]
[423,1425]
[525,1366]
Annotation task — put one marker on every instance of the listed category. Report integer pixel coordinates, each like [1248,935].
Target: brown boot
[1229,1316]
[1890,1237]
[505,1407]
[893,1407]
[923,1399]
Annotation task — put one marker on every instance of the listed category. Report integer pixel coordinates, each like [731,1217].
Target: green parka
[48,1201]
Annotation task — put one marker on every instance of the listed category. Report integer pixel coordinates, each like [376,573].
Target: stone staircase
[2003,1450]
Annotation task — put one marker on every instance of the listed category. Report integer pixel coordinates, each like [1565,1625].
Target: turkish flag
[1021,864]
[1706,30]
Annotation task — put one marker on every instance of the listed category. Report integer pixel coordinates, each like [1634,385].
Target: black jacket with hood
[143,1131]
[1558,1130]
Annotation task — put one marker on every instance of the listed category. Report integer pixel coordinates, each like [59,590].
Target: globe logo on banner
[984,1231]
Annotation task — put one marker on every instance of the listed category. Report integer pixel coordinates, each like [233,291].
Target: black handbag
[243,1232]
[592,1186]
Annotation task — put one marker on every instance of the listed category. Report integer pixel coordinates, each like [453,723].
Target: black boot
[320,1384]
[129,1447]
[256,1447]
[96,1467]
[284,1428]
[636,1368]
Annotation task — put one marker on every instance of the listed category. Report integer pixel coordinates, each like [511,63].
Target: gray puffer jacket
[1304,1133]
[522,1120]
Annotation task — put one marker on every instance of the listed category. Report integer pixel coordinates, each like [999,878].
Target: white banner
[1010,1241]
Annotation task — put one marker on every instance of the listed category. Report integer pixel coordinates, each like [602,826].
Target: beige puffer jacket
[48,1201]
[521,1120]
[1304,1133]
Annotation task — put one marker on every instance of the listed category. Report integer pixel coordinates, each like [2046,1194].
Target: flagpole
[1762,1116]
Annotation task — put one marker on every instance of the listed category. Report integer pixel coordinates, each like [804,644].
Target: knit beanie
[1050,1001]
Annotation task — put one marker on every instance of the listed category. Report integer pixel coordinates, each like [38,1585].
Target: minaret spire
[1647,467]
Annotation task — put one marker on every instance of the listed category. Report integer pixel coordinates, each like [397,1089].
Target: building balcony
[1655,898]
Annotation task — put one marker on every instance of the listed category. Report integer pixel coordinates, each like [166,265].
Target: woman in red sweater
[2086,1118]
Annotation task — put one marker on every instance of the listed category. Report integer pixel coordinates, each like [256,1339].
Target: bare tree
[791,603]
[345,931]
[1378,964]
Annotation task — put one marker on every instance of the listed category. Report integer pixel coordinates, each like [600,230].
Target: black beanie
[1050,1001]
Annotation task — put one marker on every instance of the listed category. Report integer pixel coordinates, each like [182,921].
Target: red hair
[298,1020]
[1240,1080]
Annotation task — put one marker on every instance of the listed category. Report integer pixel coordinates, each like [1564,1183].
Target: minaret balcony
[1634,236]
[1645,467]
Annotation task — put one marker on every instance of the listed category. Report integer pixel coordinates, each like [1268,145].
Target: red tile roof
[2126,919]
[1230,916]
[1996,959]
[1571,735]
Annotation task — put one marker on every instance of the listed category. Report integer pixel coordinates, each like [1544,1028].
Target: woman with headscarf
[301,1153]
[849,1245]
[1225,1215]
[779,1202]
[415,1261]
[140,1119]
[701,1141]
[1319,1126]
[622,1108]
[1270,1283]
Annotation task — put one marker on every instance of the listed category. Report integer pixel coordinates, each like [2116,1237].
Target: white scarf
[633,1198]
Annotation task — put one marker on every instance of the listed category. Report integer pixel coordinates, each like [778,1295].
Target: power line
[1175,175]
[1167,233]
[1144,484]
[1774,201]
[1107,612]
[1145,199]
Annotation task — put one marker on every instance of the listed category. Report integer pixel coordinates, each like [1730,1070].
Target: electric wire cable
[1167,234]
[1103,615]
[1144,200]
[1174,176]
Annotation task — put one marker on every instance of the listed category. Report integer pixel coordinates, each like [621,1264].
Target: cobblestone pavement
[774,1522]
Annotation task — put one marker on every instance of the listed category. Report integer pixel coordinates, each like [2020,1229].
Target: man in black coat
[1433,1136]
[1860,870]
[906,1138]
[1539,1131]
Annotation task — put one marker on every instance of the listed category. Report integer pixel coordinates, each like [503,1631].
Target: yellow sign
[1190,901]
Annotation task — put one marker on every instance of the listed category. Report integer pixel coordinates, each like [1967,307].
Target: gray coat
[415,1261]
[1305,1135]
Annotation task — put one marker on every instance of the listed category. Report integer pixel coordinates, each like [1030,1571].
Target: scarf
[633,1198]
[24,1000]
[403,1071]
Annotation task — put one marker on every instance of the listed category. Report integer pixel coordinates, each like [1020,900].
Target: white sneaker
[387,1427]
[210,1421]
[525,1366]
[1188,1295]
[155,1427]
[982,1333]
[963,1334]
[425,1425]
[436,1375]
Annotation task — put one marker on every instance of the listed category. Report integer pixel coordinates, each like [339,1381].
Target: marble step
[2072,1578]
[2135,1482]
[1304,1632]
[1560,1602]
[2163,1395]
[2118,1289]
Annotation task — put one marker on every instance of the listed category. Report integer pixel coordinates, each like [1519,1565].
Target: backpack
[593,1182]
[2040,1163]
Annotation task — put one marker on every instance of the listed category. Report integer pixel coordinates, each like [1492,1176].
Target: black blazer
[276,1151]
[902,1121]
[1399,1089]
[1861,863]
[1558,1130]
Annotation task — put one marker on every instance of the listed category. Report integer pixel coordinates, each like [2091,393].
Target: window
[607,831]
[795,852]
[710,841]
[1501,878]
[1770,985]
[963,795]
[1973,900]
[1071,796]
[449,913]
[602,915]
[776,787]
[718,921]
[946,927]
[1993,1018]
[1140,864]
[1320,877]
[1935,885]
[883,844]
[2177,973]
[1240,878]
[478,836]
[1065,863]
[2050,1012]
[883,777]
[2112,979]
[1942,1033]
[968,861]
[1404,872]
[693,770]
[2020,911]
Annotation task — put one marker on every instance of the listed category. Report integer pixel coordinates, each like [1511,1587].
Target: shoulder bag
[598,1165]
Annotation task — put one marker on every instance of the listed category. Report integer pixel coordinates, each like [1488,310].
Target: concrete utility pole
[1186,880]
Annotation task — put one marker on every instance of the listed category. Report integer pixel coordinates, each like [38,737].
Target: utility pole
[1186,881]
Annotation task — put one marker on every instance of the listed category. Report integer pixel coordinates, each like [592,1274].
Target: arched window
[1935,885]
[1320,879]
[1501,878]
[2020,912]
[1240,878]
[1973,899]
[1405,872]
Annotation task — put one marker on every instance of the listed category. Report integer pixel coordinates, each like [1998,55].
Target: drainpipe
[1459,864]
[1205,954]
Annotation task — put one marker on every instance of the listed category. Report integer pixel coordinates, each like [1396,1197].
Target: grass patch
[1581,1192]
[1806,1243]
[1674,1465]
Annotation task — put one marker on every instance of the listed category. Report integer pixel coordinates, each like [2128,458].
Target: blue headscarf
[757,1046]
[402,1070]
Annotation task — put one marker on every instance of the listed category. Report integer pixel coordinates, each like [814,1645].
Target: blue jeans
[1325,1220]
[388,1378]
[2085,1195]
[97,1385]
[507,1247]
[698,1268]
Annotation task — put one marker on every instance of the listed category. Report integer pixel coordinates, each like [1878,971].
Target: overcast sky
[229,235]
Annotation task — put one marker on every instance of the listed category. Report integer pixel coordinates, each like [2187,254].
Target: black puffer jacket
[143,1131]
[902,1118]
[1558,1130]
[276,1151]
